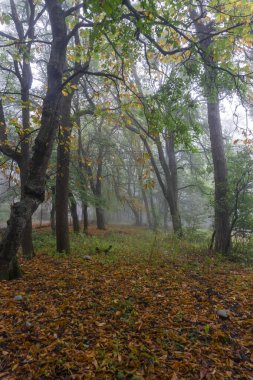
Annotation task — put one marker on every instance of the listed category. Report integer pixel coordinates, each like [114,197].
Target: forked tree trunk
[169,184]
[34,189]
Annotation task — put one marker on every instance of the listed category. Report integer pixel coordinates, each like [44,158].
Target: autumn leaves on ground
[147,309]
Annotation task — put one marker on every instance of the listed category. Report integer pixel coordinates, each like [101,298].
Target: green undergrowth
[144,247]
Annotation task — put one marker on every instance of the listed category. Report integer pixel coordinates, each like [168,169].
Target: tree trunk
[153,210]
[63,162]
[83,178]
[52,212]
[98,187]
[145,200]
[85,217]
[100,218]
[74,214]
[62,178]
[52,217]
[136,216]
[20,214]
[176,222]
[35,186]
[172,189]
[222,224]
[27,243]
[165,215]
[169,186]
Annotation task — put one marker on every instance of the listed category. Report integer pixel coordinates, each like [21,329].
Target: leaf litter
[69,318]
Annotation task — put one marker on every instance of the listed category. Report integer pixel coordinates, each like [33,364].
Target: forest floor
[147,309]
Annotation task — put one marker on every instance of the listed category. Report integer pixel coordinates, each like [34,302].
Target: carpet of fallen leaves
[81,319]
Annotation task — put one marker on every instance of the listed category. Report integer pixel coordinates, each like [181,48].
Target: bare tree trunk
[82,167]
[52,212]
[169,185]
[153,210]
[222,224]
[175,215]
[100,218]
[34,189]
[74,214]
[63,162]
[97,188]
[85,217]
[147,209]
[165,215]
[27,243]
[62,178]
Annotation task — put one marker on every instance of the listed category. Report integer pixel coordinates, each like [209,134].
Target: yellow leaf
[64,93]
[100,324]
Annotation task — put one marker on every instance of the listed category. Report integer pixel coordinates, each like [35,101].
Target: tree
[63,162]
[21,70]
[222,223]
[34,189]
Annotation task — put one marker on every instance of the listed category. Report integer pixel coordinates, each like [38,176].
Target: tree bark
[222,224]
[34,189]
[147,209]
[74,214]
[62,177]
[85,217]
[24,74]
[221,221]
[169,184]
[82,168]
[52,212]
[153,210]
[100,218]
[27,243]
[63,162]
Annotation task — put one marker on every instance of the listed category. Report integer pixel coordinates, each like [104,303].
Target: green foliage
[241,188]
[172,108]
